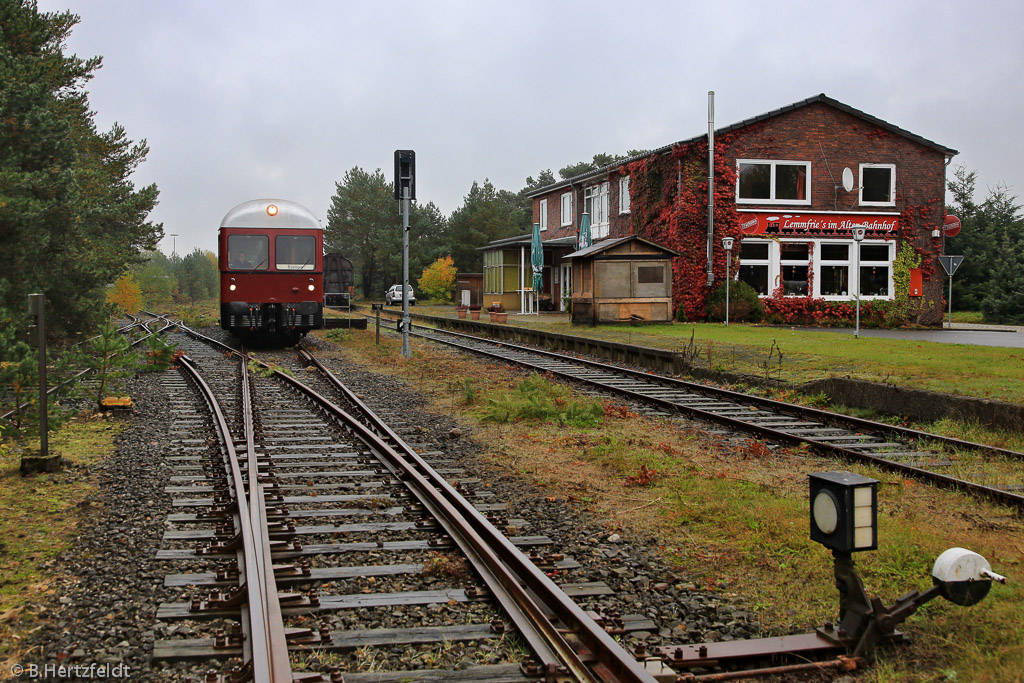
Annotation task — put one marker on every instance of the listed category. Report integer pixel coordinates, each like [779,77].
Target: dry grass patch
[731,516]
[38,521]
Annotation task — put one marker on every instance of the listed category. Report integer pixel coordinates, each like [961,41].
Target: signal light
[844,511]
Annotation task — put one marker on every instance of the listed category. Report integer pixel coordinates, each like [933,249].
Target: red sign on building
[778,224]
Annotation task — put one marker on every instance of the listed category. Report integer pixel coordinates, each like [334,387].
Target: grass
[734,519]
[810,354]
[39,520]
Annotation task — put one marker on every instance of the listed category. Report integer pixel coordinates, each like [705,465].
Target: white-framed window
[762,181]
[875,276]
[624,194]
[829,263]
[595,202]
[877,184]
[542,212]
[834,276]
[755,264]
[566,209]
[794,267]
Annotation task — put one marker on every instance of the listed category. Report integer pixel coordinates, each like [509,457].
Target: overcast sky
[241,100]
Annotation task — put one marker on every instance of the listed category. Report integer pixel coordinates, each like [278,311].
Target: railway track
[987,472]
[137,330]
[319,491]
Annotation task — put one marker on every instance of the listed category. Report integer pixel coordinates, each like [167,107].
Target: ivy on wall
[669,206]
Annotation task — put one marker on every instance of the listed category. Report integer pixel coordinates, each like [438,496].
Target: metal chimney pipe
[711,186]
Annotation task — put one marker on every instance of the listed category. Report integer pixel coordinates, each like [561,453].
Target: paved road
[977,335]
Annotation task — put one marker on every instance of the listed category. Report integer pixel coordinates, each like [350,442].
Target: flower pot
[475,315]
[499,317]
[462,312]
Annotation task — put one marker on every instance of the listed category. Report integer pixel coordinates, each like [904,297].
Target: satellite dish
[847,179]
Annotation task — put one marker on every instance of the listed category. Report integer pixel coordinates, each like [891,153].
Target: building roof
[527,240]
[823,98]
[604,245]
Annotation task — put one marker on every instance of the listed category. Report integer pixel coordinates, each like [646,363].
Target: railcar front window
[295,252]
[248,252]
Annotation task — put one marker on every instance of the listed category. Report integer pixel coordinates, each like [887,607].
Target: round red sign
[952,226]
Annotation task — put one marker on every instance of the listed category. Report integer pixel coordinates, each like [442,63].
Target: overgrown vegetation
[538,399]
[111,358]
[732,517]
[40,521]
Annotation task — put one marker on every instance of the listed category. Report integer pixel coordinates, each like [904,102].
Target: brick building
[779,190]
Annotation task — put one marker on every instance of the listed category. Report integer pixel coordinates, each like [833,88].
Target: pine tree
[65,195]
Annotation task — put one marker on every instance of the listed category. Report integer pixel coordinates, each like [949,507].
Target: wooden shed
[622,280]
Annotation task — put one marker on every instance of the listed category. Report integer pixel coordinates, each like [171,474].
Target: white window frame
[542,211]
[821,262]
[867,264]
[595,198]
[816,262]
[624,194]
[771,183]
[892,185]
[767,262]
[566,208]
[780,263]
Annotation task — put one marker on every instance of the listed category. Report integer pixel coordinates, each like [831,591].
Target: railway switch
[844,518]
[963,577]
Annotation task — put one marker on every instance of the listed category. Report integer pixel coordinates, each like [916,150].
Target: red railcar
[271,270]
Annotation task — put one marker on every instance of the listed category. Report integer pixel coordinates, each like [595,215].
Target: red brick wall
[831,139]
[819,133]
[619,224]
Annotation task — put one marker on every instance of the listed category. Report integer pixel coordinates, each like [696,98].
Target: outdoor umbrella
[537,259]
[584,237]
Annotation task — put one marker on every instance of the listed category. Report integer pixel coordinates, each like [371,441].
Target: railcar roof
[254,214]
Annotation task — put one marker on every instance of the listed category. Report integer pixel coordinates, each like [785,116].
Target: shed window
[650,275]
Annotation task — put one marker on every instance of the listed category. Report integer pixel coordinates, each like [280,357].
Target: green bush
[681,314]
[744,304]
[540,400]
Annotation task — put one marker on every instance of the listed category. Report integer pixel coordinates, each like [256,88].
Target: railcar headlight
[311,285]
[272,209]
[232,285]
